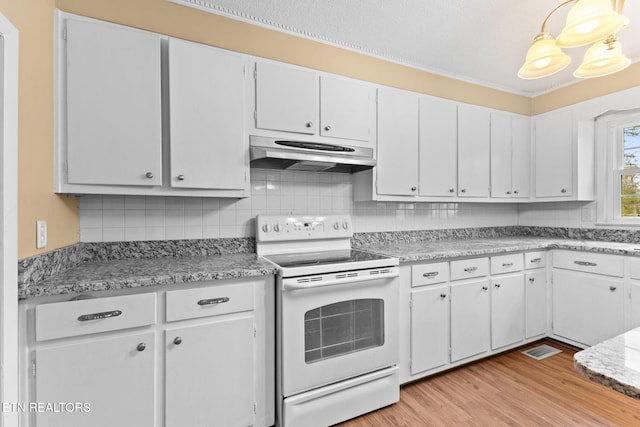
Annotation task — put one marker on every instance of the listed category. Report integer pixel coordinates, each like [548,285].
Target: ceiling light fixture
[588,21]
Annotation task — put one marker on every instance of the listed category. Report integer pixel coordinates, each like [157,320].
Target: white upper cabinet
[206,103]
[397,154]
[438,147]
[510,156]
[474,150]
[286,99]
[113,113]
[291,99]
[344,109]
[554,155]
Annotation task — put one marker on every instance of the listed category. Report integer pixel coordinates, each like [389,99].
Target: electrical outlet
[41,234]
[587,214]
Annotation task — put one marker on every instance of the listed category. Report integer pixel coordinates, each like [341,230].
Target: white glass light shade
[544,58]
[590,21]
[601,59]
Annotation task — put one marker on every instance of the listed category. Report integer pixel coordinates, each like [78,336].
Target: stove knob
[345,225]
[336,226]
[266,228]
[277,228]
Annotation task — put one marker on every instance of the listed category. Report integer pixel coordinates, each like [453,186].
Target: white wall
[117,218]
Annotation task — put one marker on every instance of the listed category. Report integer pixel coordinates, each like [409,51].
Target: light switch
[41,234]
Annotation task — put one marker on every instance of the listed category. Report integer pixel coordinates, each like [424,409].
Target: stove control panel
[291,227]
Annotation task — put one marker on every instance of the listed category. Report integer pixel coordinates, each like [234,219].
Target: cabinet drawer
[213,301]
[506,263]
[429,274]
[536,259]
[72,318]
[609,265]
[468,268]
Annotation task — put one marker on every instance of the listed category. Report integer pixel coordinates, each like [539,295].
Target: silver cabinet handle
[585,263]
[177,340]
[102,315]
[430,275]
[508,192]
[180,177]
[470,269]
[414,188]
[464,190]
[484,288]
[443,296]
[612,288]
[149,175]
[535,260]
[507,264]
[515,192]
[213,301]
[141,347]
[451,190]
[328,127]
[497,285]
[531,279]
[309,124]
[564,190]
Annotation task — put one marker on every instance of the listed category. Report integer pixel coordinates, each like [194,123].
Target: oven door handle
[298,283]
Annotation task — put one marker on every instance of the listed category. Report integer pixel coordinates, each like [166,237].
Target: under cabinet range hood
[287,154]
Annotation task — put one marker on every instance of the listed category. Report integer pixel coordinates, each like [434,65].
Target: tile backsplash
[128,218]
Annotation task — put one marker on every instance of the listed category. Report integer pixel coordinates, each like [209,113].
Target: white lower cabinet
[198,357]
[507,310]
[535,291]
[114,377]
[429,328]
[470,314]
[587,308]
[635,304]
[209,374]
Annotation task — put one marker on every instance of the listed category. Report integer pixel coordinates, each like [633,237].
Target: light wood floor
[510,389]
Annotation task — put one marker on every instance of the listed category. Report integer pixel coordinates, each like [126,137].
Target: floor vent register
[541,352]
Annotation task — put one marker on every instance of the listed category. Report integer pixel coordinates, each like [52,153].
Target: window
[618,136]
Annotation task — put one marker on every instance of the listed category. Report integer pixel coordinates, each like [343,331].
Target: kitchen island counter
[614,363]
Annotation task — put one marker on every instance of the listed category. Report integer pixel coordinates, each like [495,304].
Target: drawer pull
[535,260]
[470,269]
[141,347]
[96,316]
[213,301]
[612,288]
[177,340]
[507,264]
[497,285]
[431,274]
[585,263]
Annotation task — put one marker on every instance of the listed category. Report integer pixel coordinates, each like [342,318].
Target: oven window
[342,328]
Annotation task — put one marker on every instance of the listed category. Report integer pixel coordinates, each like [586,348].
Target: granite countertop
[614,363]
[442,249]
[132,273]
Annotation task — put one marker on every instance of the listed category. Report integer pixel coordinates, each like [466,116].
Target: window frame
[610,139]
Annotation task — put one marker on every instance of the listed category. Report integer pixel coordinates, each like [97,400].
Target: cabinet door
[207,95]
[554,153]
[397,157]
[113,106]
[507,310]
[209,374]
[587,308]
[500,155]
[286,99]
[474,151]
[520,156]
[345,109]
[635,304]
[470,319]
[438,147]
[535,285]
[115,376]
[429,328]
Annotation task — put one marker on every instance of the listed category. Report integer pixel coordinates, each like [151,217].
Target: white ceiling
[483,42]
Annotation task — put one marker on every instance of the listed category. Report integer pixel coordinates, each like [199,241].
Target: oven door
[337,326]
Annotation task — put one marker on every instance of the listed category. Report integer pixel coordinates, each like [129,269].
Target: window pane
[630,197]
[631,142]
